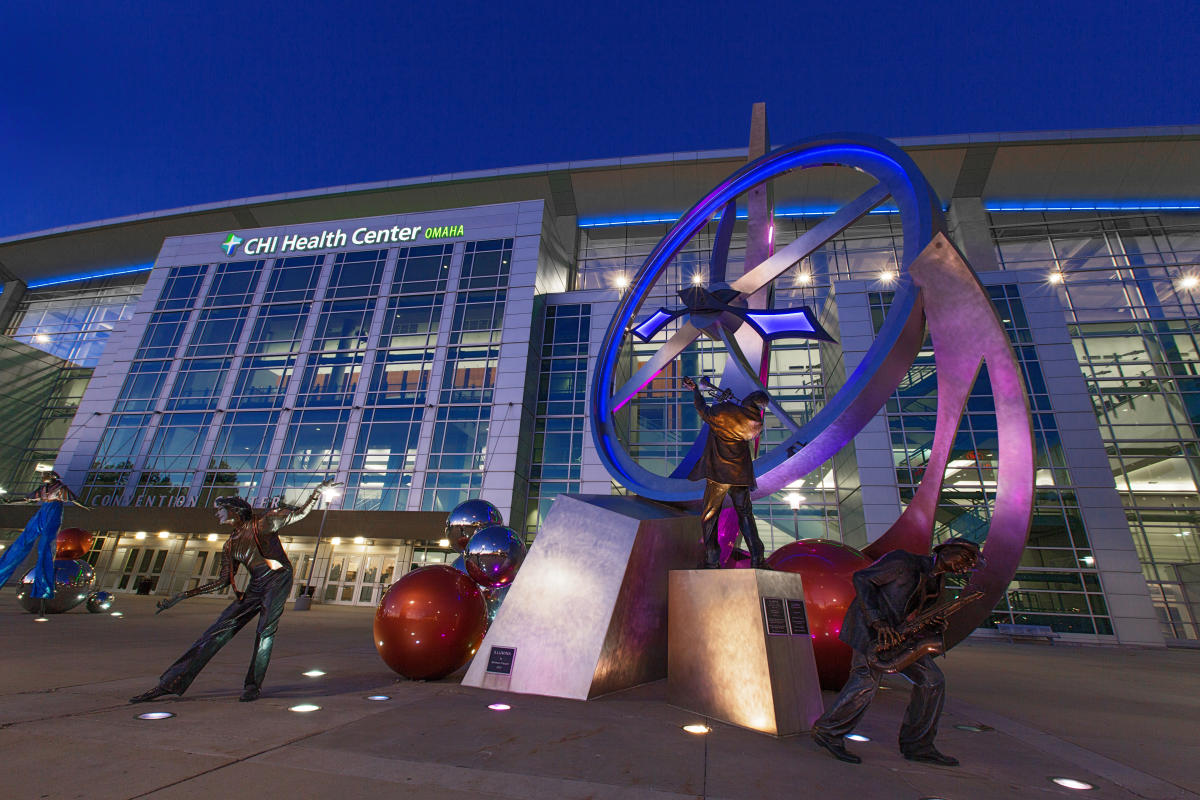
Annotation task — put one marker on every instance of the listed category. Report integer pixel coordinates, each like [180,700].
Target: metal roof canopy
[1120,164]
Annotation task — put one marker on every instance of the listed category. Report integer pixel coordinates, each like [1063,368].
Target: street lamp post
[794,500]
[304,599]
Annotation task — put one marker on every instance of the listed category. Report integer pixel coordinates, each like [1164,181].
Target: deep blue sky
[116,108]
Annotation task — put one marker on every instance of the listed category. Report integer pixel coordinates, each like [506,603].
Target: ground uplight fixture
[1072,783]
[858,737]
[313,673]
[41,619]
[499,706]
[305,708]
[378,697]
[116,614]
[156,715]
[697,729]
[974,728]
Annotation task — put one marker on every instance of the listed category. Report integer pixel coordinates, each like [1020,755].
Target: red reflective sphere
[827,568]
[430,622]
[73,543]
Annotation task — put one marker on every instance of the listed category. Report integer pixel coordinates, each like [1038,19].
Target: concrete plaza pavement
[1124,720]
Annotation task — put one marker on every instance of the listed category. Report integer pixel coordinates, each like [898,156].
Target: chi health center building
[429,340]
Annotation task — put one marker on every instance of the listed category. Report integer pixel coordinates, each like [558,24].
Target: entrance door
[141,564]
[342,584]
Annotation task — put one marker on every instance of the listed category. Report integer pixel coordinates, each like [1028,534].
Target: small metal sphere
[99,602]
[73,582]
[493,555]
[468,517]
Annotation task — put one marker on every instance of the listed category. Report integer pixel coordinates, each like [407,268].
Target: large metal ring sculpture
[935,286]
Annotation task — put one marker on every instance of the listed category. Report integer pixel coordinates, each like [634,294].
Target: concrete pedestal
[740,650]
[587,613]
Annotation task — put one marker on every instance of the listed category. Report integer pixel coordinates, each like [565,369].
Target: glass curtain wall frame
[1129,281]
[1057,583]
[74,320]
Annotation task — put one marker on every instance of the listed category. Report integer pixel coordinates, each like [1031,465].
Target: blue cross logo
[231,244]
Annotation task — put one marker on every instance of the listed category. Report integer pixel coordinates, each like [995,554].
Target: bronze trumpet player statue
[728,467]
[895,625]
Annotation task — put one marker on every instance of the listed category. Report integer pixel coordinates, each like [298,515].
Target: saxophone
[919,636]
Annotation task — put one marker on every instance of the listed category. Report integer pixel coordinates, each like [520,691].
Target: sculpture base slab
[587,613]
[740,650]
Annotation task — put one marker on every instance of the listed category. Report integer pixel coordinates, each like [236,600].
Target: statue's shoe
[146,697]
[835,748]
[932,756]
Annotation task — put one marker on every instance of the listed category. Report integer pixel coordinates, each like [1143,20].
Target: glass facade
[555,461]
[73,320]
[1128,282]
[264,377]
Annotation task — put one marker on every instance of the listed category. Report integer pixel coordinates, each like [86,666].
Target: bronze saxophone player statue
[254,544]
[895,625]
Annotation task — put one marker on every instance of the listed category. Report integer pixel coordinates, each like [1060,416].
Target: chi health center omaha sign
[327,239]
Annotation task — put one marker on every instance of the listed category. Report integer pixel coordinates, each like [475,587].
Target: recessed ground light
[1071,783]
[979,728]
[304,708]
[41,619]
[313,673]
[857,737]
[378,697]
[156,715]
[499,706]
[116,614]
[697,728]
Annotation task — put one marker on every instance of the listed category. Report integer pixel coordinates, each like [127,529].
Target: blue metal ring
[921,217]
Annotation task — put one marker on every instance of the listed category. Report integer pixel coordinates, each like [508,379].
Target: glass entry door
[359,579]
[343,578]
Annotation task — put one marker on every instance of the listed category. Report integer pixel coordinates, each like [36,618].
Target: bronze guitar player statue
[255,544]
[889,626]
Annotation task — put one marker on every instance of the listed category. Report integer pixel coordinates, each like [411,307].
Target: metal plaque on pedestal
[740,649]
[587,613]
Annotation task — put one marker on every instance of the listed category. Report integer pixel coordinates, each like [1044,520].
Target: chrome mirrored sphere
[99,602]
[73,582]
[494,555]
[494,597]
[468,517]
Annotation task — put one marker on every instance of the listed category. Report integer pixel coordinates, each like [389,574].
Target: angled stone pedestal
[587,614]
[740,649]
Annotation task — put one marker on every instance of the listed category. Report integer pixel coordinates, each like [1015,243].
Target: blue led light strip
[87,276]
[1085,205]
[609,222]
